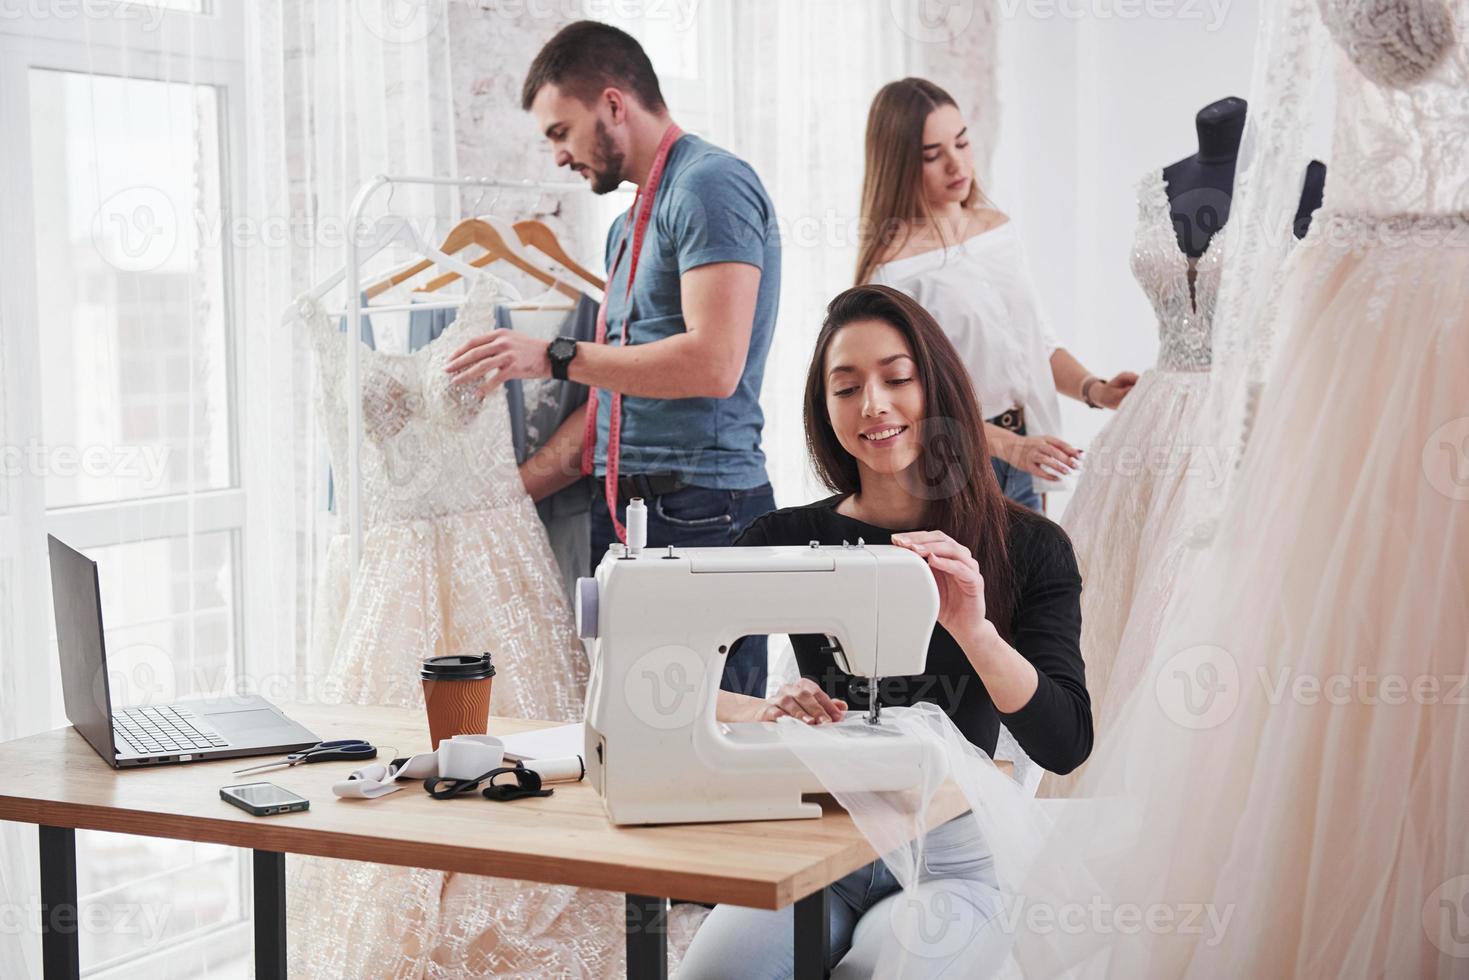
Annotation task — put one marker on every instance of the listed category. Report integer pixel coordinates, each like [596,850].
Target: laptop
[186,731]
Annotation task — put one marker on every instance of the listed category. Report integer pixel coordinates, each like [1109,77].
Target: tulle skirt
[469,582]
[460,583]
[1128,530]
[1287,792]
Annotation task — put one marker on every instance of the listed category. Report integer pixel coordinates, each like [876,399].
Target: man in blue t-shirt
[697,321]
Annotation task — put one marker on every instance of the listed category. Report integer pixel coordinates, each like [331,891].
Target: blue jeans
[957,890]
[1016,484]
[698,517]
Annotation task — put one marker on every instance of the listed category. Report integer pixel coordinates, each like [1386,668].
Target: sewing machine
[658,625]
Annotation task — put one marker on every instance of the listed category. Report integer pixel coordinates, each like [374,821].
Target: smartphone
[263,799]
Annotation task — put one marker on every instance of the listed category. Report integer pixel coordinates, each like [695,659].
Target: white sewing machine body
[658,625]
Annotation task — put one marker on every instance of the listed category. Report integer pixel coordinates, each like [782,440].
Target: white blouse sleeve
[1048,336]
[1043,322]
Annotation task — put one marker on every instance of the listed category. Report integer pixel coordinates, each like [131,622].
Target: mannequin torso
[1200,187]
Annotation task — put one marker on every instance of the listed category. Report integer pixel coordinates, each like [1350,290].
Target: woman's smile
[883,436]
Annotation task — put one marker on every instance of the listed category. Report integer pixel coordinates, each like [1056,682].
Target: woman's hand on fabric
[962,608]
[1048,457]
[804,701]
[499,356]
[1109,394]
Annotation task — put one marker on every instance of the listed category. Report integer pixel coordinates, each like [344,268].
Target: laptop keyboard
[154,731]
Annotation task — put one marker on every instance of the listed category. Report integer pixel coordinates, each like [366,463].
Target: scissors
[342,748]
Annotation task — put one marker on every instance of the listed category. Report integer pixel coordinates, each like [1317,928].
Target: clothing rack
[353,280]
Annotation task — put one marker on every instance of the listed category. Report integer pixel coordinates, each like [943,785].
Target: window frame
[119,48]
[134,41]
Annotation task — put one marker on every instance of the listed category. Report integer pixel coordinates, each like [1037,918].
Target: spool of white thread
[637,525]
[567,770]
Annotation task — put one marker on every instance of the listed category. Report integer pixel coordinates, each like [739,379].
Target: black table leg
[270,915]
[813,937]
[647,938]
[60,957]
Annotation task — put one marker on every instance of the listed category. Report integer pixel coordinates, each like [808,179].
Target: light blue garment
[365,333]
[959,902]
[711,207]
[424,326]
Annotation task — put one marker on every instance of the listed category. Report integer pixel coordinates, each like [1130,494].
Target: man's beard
[608,160]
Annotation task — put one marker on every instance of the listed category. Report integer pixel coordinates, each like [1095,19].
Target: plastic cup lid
[458,666]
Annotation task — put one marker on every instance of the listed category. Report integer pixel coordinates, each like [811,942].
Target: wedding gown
[1126,518]
[1296,764]
[1286,792]
[454,560]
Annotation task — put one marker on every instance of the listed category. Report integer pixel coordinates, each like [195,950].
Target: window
[126,173]
[119,429]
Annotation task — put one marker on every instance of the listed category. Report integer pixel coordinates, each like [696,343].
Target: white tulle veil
[1291,51]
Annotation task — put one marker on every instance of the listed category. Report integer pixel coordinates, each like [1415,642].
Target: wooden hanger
[459,237]
[538,235]
[477,231]
[403,233]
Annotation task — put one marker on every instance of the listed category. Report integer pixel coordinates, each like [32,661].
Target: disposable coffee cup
[456,692]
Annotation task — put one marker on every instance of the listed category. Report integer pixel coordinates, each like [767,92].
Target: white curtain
[120,424]
[340,92]
[786,86]
[178,172]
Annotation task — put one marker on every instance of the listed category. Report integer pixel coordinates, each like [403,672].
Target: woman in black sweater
[893,427]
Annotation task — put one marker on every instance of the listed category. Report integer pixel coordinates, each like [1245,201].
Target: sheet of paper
[548,743]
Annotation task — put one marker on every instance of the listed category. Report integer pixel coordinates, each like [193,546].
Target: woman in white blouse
[929,231]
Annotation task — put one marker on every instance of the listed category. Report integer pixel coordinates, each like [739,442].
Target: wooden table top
[55,778]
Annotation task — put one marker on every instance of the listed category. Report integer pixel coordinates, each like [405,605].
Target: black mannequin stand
[1200,187]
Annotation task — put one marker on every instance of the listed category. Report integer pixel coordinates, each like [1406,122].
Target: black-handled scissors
[354,749]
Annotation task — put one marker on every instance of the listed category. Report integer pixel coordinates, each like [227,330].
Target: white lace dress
[1296,766]
[454,560]
[1127,517]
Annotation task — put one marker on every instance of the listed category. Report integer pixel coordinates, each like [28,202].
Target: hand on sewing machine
[804,701]
[962,609]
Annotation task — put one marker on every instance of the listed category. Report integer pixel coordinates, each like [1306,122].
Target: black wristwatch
[561,351]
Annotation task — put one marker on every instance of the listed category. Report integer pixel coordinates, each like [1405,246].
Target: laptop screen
[84,683]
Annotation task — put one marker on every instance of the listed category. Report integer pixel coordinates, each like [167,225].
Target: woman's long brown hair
[953,470]
[892,184]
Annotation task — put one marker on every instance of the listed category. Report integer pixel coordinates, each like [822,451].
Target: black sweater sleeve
[756,535]
[1055,725]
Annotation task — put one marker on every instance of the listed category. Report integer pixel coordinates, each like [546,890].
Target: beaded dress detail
[1125,518]
[454,559]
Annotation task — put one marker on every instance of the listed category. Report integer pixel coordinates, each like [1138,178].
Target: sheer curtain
[340,92]
[786,86]
[121,425]
[178,171]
